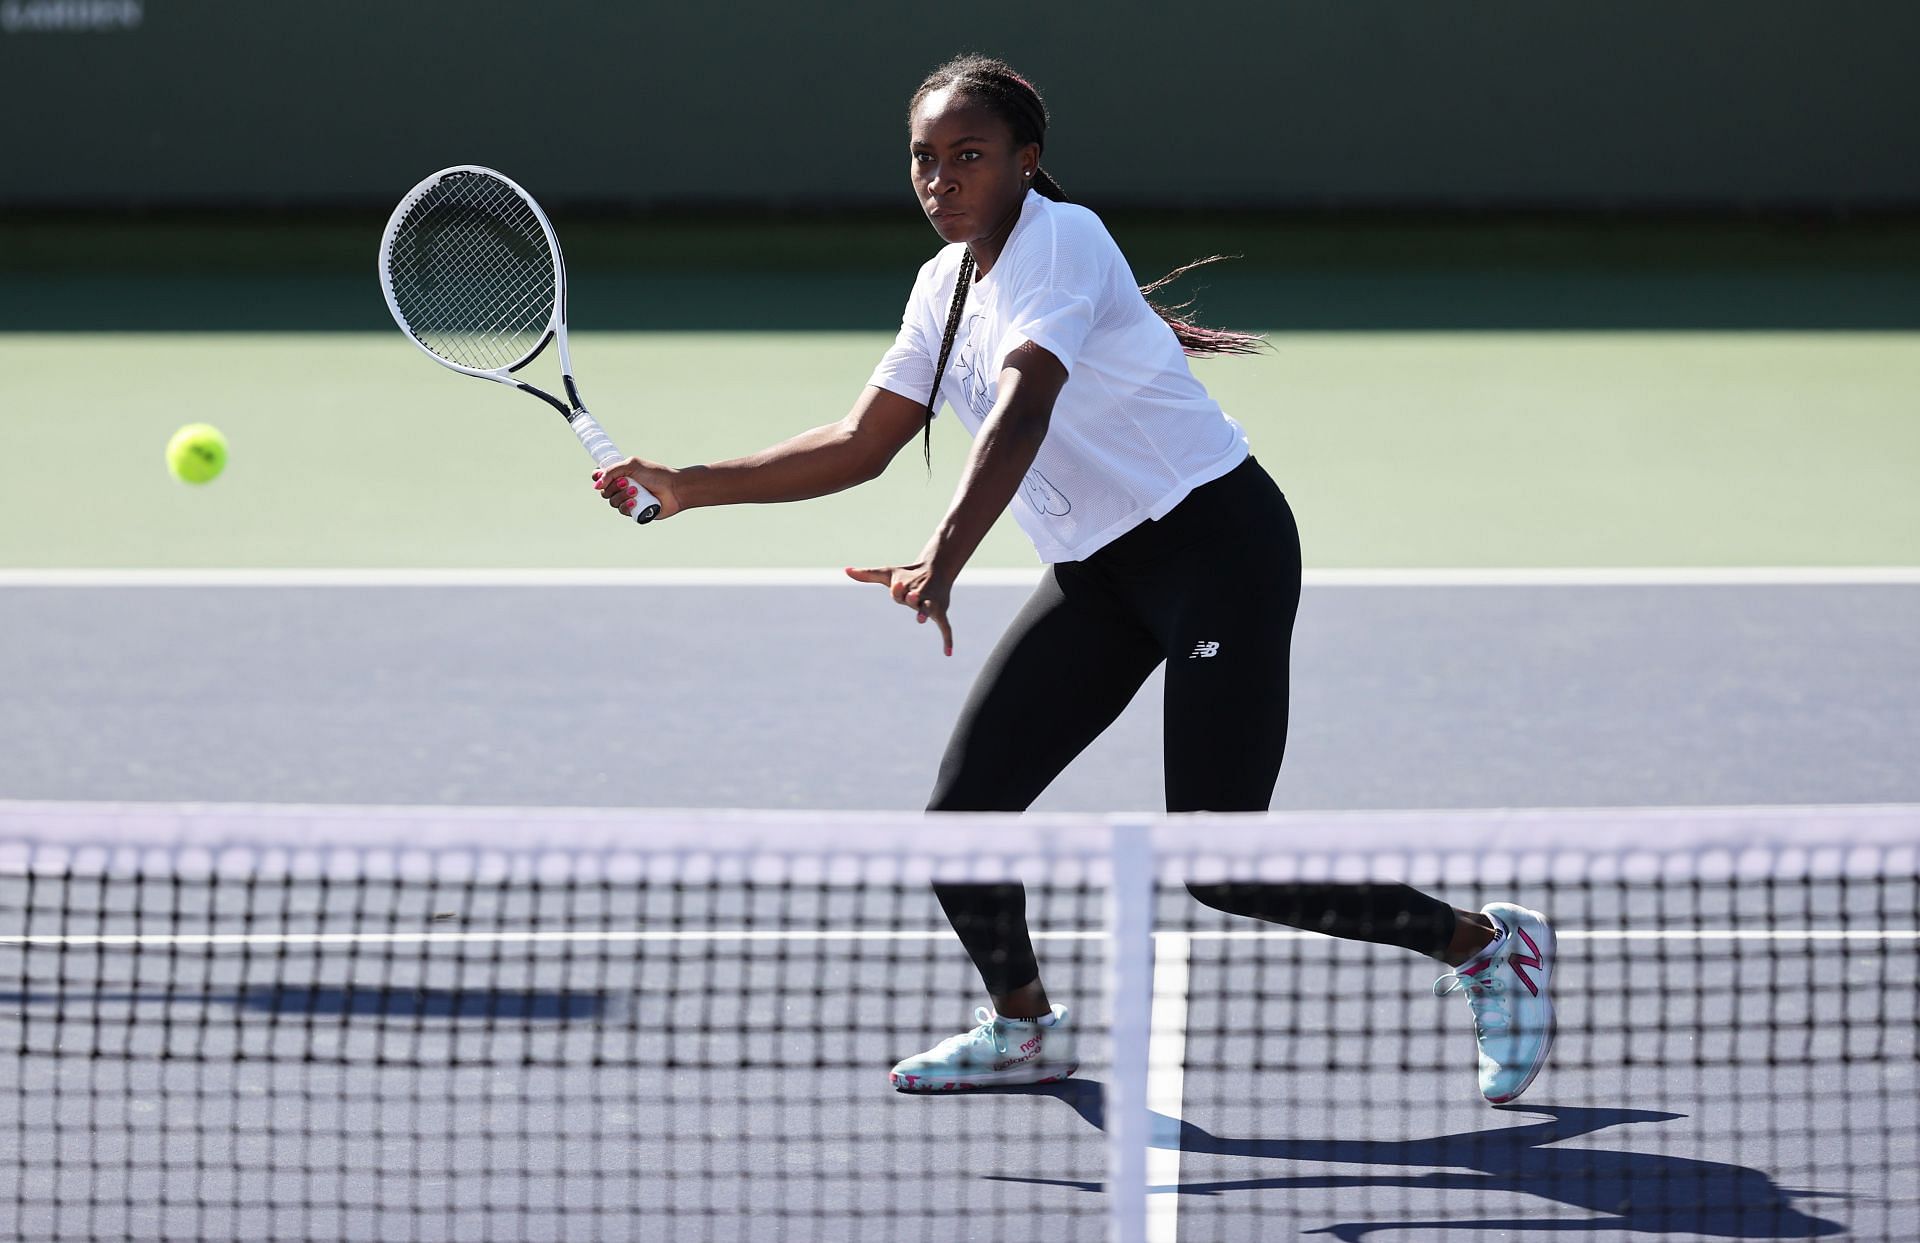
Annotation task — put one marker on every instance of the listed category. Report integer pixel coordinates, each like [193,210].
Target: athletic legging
[1211,589]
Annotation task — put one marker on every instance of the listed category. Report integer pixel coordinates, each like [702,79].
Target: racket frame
[586,428]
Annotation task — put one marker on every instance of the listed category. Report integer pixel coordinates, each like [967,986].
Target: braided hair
[1017,102]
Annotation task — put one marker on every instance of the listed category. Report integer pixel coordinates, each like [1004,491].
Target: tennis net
[232,1022]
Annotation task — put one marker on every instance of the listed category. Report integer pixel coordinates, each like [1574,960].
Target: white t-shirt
[1132,431]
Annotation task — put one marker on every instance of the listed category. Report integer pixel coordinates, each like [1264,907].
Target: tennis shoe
[997,1053]
[1506,989]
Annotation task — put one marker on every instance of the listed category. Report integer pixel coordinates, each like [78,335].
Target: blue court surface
[1732,1065]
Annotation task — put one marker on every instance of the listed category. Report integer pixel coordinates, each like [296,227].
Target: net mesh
[1736,1054]
[233,1023]
[470,271]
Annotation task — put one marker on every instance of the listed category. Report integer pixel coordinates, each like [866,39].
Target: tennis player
[1164,542]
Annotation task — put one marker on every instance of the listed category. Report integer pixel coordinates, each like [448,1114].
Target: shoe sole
[1539,1065]
[921,1085]
[1553,1024]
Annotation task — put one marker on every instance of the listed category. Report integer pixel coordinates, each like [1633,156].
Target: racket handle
[601,450]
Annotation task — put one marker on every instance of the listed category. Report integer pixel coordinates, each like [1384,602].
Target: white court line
[1626,576]
[1625,934]
[1167,1081]
[612,937]
[1166,944]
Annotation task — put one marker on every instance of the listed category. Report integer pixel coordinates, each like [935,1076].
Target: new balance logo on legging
[1203,650]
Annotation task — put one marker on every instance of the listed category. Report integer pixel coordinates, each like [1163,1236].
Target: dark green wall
[1455,103]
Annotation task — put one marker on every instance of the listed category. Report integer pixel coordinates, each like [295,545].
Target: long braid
[1198,340]
[946,348]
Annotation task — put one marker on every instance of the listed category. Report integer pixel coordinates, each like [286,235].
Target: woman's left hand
[916,587]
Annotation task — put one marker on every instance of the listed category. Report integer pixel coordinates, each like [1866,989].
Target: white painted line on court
[1626,934]
[611,937]
[501,578]
[1655,576]
[1164,942]
[1167,1082]
[1626,576]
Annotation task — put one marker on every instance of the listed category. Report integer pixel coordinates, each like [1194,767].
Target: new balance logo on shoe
[1203,650]
[1520,962]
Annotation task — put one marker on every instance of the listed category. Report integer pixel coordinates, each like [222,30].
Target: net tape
[1641,844]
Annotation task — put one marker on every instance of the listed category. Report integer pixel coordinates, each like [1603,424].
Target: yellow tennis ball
[197,453]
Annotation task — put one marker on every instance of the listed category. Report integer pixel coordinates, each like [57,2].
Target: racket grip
[601,449]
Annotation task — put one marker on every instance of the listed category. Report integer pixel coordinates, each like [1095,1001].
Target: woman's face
[967,172]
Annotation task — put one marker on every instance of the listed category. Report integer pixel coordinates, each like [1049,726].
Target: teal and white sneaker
[1506,988]
[997,1053]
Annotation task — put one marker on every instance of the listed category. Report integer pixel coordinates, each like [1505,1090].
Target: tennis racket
[472,272]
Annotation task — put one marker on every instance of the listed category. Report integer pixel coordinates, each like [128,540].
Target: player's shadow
[422,1004]
[1646,1193]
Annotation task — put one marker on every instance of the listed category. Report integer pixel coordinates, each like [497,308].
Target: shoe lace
[988,1032]
[1486,996]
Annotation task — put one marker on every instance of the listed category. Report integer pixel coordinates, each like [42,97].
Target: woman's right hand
[616,483]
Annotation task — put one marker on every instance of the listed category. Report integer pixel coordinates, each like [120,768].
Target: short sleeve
[907,366]
[1053,282]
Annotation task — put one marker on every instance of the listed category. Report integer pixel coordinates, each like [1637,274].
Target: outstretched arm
[1030,381]
[814,463]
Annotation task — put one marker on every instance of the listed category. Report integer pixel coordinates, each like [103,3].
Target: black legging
[1211,589]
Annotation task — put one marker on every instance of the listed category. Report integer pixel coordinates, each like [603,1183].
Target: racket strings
[527,279]
[478,303]
[495,329]
[472,273]
[481,290]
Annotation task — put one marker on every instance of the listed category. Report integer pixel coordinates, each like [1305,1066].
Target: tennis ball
[197,453]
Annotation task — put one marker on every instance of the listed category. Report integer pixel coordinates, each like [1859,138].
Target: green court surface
[1397,449]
